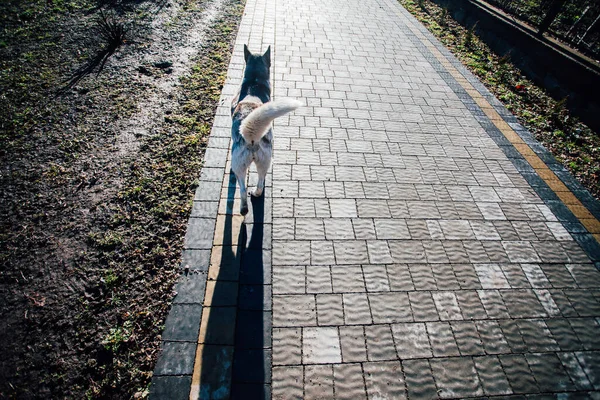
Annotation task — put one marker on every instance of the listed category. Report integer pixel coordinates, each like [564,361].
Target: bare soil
[97,172]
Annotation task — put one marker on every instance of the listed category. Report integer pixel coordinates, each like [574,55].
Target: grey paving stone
[492,337]
[518,373]
[356,309]
[384,380]
[353,343]
[330,309]
[321,345]
[290,311]
[318,382]
[419,379]
[549,373]
[492,377]
[176,358]
[411,340]
[423,306]
[467,338]
[171,387]
[190,288]
[349,382]
[287,346]
[380,345]
[456,377]
[442,339]
[288,382]
[183,323]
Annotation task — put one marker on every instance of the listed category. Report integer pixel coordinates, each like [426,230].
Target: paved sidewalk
[414,241]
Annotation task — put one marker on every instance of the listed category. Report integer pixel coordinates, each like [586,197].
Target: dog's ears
[247,53]
[267,56]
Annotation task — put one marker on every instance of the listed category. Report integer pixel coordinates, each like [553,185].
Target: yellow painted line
[195,388]
[224,265]
[585,217]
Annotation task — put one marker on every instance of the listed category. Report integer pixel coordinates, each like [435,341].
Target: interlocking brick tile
[343,208]
[587,330]
[338,229]
[321,253]
[575,371]
[297,310]
[563,303]
[411,340]
[318,382]
[379,252]
[558,275]
[493,303]
[347,278]
[491,276]
[391,229]
[291,252]
[287,349]
[380,345]
[353,344]
[456,377]
[318,279]
[445,278]
[364,229]
[435,252]
[447,306]
[492,377]
[467,338]
[516,276]
[356,309]
[330,309]
[521,252]
[288,383]
[422,276]
[519,375]
[536,335]
[349,382]
[390,307]
[309,228]
[492,337]
[466,276]
[442,339]
[586,275]
[384,380]
[289,280]
[470,304]
[423,306]
[456,252]
[399,277]
[564,335]
[350,252]
[522,303]
[321,345]
[584,302]
[545,298]
[549,373]
[419,379]
[590,367]
[376,278]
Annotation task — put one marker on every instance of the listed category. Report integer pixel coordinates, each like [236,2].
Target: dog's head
[257,66]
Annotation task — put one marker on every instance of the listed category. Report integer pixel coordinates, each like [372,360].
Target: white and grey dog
[252,113]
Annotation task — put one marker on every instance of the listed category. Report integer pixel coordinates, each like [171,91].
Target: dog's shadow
[249,375]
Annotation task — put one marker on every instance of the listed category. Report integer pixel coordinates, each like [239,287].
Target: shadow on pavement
[239,323]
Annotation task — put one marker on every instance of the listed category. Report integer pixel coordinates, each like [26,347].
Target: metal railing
[575,22]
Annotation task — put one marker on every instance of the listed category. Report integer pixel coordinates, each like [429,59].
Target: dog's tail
[257,123]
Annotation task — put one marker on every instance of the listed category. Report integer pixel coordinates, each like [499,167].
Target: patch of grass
[570,141]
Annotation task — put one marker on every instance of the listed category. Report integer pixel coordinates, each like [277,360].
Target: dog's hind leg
[262,167]
[241,178]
